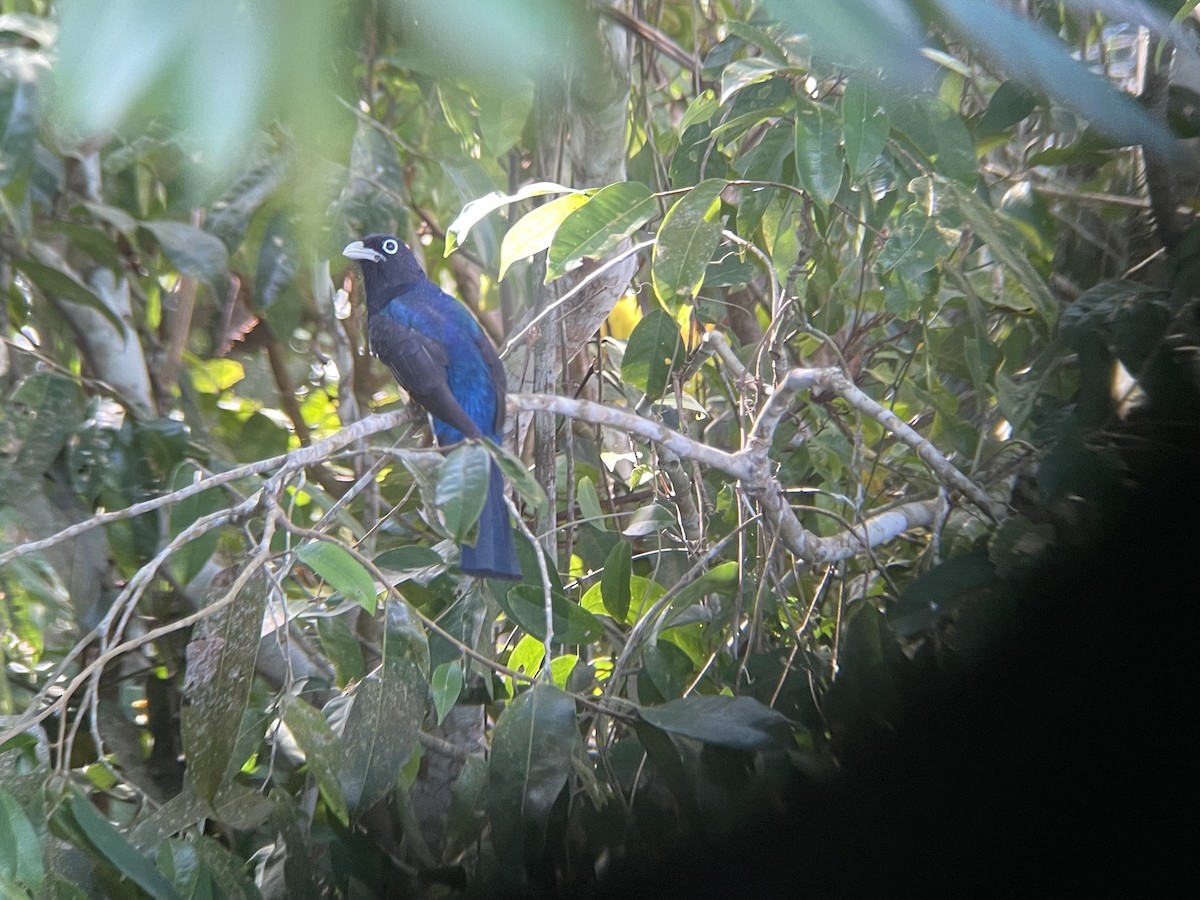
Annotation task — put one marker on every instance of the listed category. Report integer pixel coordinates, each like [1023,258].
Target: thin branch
[289,462]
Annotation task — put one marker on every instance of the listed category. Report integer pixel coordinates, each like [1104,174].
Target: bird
[441,356]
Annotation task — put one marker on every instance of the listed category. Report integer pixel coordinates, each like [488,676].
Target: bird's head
[388,267]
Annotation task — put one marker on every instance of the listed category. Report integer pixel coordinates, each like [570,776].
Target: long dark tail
[493,555]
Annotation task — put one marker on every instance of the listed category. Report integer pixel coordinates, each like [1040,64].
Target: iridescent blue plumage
[445,361]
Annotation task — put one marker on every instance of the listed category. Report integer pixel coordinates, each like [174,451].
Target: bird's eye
[390,246]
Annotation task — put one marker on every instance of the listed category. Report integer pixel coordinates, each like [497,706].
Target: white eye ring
[390,246]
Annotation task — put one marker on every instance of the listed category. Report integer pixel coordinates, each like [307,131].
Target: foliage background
[239,659]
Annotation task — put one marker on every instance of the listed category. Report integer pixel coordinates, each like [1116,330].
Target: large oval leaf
[686,241]
[741,723]
[476,210]
[865,126]
[343,572]
[462,488]
[599,225]
[535,230]
[614,582]
[386,711]
[192,251]
[322,752]
[651,353]
[525,605]
[220,671]
[818,156]
[110,845]
[532,750]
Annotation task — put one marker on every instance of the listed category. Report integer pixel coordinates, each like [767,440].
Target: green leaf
[599,225]
[386,711]
[192,251]
[229,218]
[341,647]
[915,245]
[763,163]
[740,723]
[38,417]
[668,668]
[462,488]
[20,849]
[818,155]
[502,113]
[220,673]
[643,593]
[409,560]
[110,845]
[65,286]
[614,582]
[277,263]
[865,124]
[723,579]
[651,353]
[342,571]
[533,744]
[228,870]
[649,519]
[687,238]
[525,605]
[1011,103]
[476,210]
[1004,242]
[447,684]
[519,476]
[589,503]
[534,231]
[745,72]
[939,591]
[1038,59]
[699,110]
[191,557]
[19,123]
[322,752]
[527,656]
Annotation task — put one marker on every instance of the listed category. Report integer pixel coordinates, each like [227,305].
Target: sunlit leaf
[686,240]
[341,570]
[535,230]
[599,225]
[476,210]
